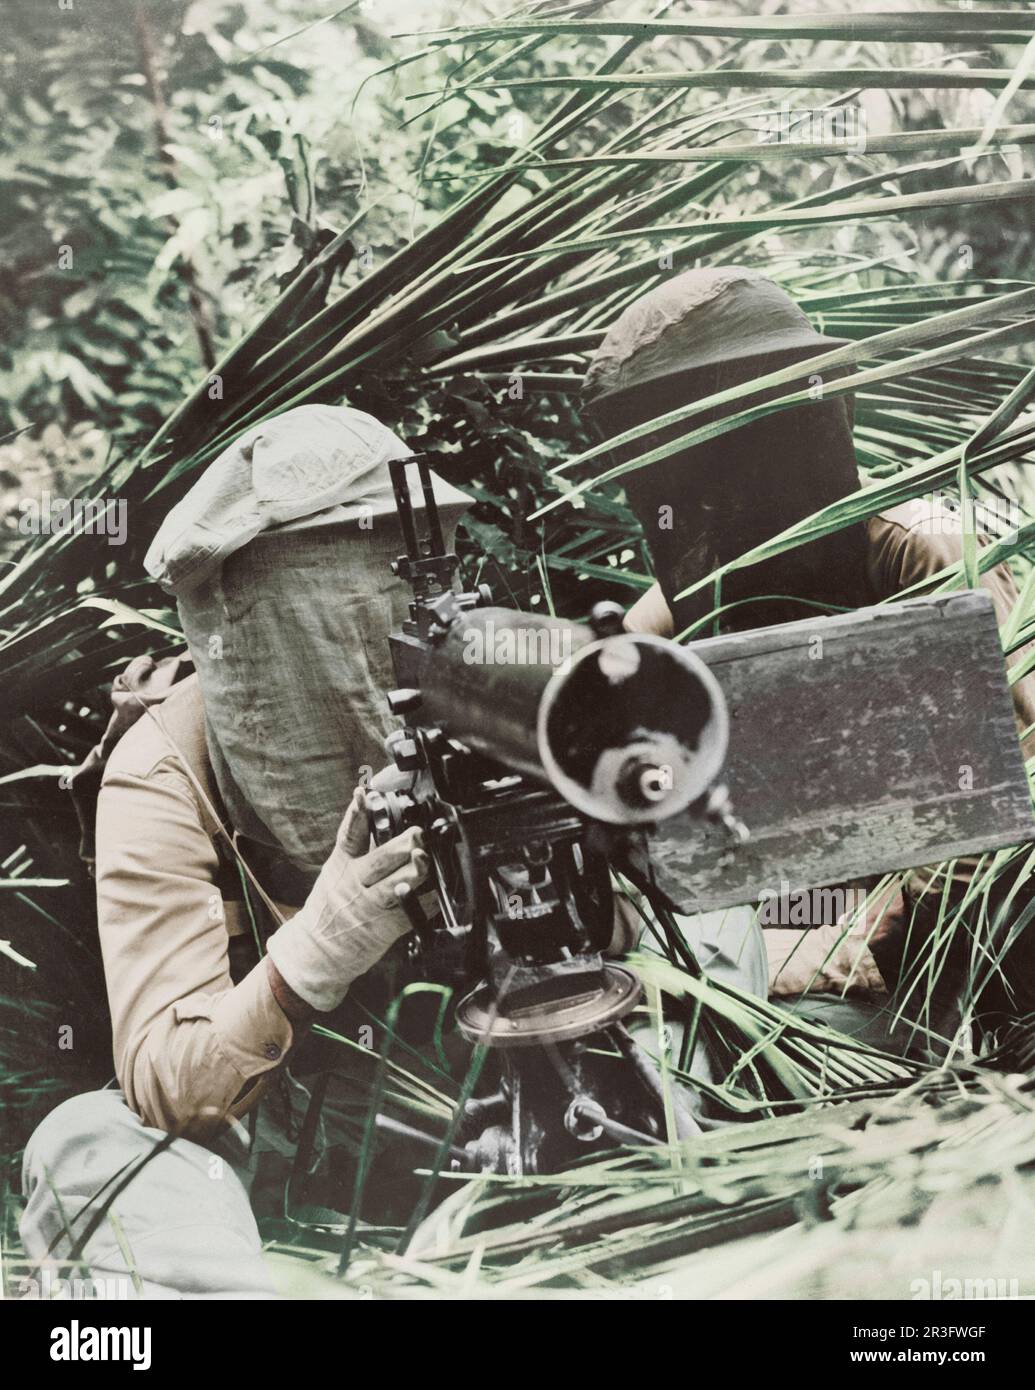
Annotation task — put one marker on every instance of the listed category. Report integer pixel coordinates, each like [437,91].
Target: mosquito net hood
[279,558]
[697,334]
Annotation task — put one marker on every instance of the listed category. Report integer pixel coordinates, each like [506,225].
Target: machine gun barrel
[628,728]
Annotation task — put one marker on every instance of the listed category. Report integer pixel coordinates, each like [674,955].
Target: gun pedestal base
[563,1095]
[485,1018]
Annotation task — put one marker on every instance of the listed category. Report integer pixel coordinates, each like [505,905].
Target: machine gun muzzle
[628,728]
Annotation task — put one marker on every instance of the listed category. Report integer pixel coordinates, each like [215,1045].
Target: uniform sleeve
[837,958]
[187,1041]
[823,960]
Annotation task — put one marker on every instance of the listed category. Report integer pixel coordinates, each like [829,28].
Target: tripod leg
[686,1124]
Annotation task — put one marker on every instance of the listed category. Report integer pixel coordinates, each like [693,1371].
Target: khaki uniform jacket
[190,1044]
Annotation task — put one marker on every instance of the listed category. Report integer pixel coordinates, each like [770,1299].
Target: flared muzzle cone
[633,729]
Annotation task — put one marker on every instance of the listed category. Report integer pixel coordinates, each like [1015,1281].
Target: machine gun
[540,755]
[538,751]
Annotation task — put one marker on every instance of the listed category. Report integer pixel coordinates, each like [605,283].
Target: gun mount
[536,754]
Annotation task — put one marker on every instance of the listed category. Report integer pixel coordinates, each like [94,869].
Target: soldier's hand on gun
[353,914]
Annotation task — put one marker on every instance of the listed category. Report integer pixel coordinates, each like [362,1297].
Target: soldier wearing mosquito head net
[227,813]
[691,337]
[280,563]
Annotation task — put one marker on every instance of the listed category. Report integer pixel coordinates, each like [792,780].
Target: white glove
[353,914]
